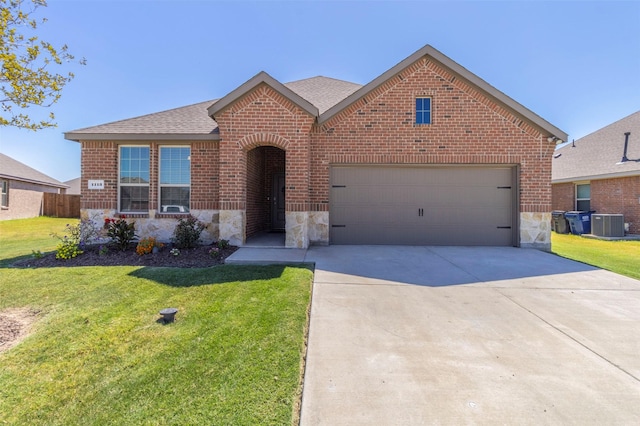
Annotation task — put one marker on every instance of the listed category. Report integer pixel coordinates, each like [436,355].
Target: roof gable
[599,154]
[262,78]
[15,170]
[456,69]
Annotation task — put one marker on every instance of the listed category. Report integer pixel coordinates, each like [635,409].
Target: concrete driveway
[457,335]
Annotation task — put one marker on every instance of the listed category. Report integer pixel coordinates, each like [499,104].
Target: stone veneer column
[232,226]
[535,230]
[318,228]
[297,229]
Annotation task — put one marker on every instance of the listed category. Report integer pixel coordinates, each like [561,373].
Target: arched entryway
[265,214]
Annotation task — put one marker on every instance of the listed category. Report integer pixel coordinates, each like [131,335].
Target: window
[423,110]
[134,179]
[175,179]
[583,197]
[5,193]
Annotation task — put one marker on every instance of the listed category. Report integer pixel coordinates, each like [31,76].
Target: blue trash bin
[579,221]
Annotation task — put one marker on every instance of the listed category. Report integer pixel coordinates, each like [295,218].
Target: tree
[27,79]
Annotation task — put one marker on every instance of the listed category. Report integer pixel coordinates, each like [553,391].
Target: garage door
[422,205]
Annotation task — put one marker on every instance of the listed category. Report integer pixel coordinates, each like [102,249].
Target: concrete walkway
[454,335]
[266,256]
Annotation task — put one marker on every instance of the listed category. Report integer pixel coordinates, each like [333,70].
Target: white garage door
[445,205]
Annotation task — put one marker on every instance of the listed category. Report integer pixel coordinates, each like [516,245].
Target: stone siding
[159,228]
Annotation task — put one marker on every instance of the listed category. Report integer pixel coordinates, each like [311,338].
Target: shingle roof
[193,121]
[323,92]
[599,155]
[15,170]
[319,96]
[188,122]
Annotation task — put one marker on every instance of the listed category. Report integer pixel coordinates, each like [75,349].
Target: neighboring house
[425,154]
[23,188]
[74,186]
[590,174]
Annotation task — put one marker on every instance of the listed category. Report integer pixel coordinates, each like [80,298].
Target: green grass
[98,355]
[622,257]
[18,238]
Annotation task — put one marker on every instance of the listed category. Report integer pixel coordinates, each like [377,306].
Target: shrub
[67,249]
[69,245]
[215,252]
[145,246]
[223,244]
[88,232]
[187,232]
[120,231]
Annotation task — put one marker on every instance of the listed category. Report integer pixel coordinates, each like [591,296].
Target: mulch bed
[198,257]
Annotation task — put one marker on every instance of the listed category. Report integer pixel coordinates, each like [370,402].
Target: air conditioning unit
[607,225]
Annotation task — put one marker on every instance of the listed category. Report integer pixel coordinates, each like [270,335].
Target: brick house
[589,174]
[22,188]
[426,154]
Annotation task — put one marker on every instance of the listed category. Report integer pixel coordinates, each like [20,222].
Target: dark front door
[277,202]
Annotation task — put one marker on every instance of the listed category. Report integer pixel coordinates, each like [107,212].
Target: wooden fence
[60,205]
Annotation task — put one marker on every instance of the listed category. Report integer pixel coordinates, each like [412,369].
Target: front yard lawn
[97,354]
[18,238]
[622,257]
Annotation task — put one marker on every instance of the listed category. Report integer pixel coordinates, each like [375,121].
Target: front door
[277,203]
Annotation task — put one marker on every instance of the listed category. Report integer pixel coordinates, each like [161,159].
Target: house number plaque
[96,184]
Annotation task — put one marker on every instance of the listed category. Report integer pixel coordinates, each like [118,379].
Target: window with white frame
[175,179]
[5,193]
[583,196]
[133,182]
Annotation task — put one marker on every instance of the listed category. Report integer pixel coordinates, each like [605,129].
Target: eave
[617,175]
[79,136]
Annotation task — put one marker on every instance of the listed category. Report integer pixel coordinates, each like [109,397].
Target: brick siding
[608,196]
[618,196]
[467,128]
[100,162]
[264,118]
[563,196]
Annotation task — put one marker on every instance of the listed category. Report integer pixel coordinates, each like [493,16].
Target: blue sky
[574,63]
